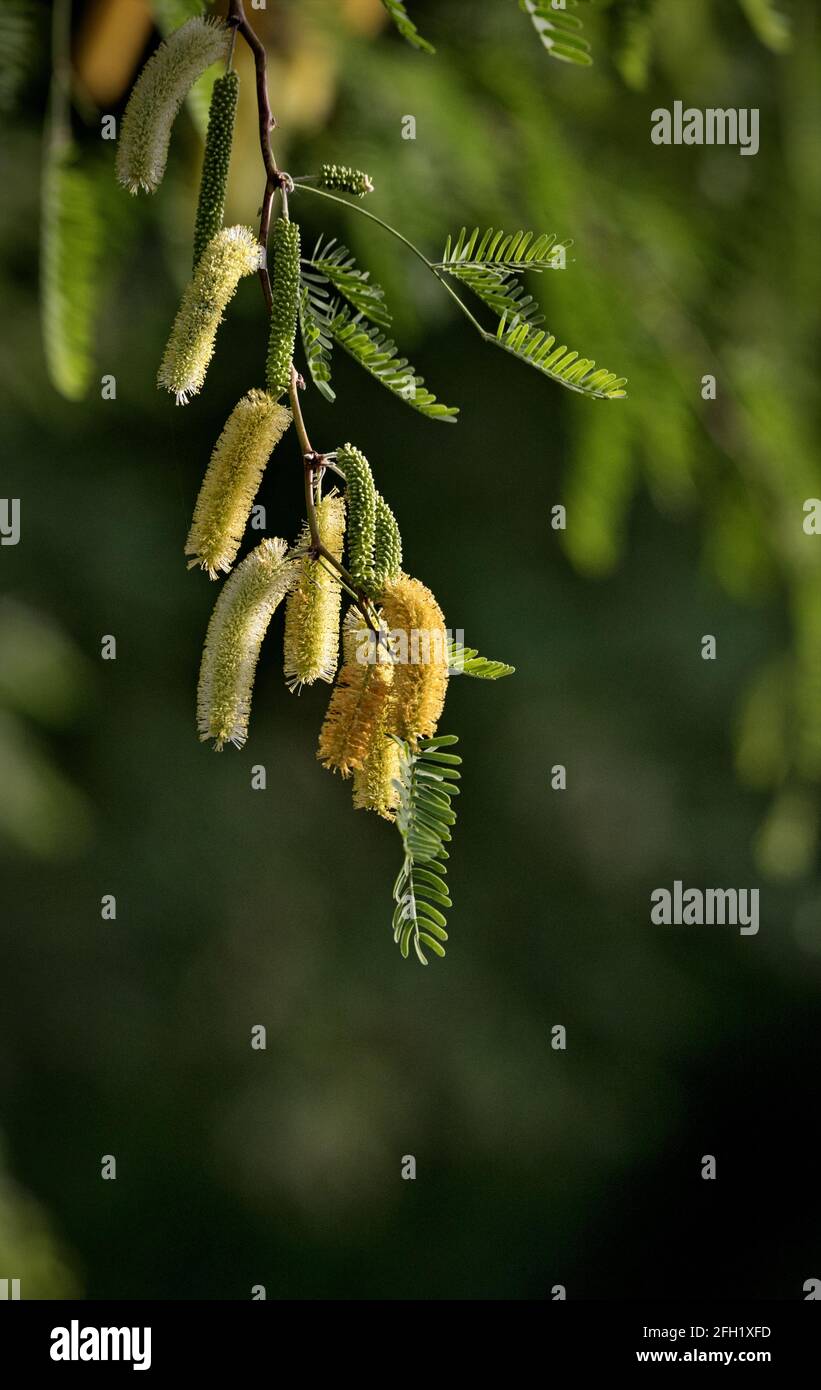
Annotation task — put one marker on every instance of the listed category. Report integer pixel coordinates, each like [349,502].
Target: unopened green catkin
[253,429]
[361,495]
[345,179]
[160,89]
[312,610]
[285,255]
[238,624]
[217,157]
[229,255]
[387,544]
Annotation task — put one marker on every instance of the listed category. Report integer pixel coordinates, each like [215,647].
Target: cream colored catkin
[160,89]
[238,624]
[312,611]
[252,431]
[229,255]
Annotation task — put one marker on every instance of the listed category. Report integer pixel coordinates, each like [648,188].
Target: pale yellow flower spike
[238,624]
[417,627]
[160,89]
[312,610]
[229,255]
[253,429]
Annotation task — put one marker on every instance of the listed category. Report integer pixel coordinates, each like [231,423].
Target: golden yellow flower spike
[358,700]
[417,627]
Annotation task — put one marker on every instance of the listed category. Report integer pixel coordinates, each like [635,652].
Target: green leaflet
[406,26]
[286,286]
[71,247]
[466,661]
[217,157]
[488,265]
[334,262]
[536,347]
[559,32]
[361,499]
[510,251]
[424,818]
[314,327]
[377,354]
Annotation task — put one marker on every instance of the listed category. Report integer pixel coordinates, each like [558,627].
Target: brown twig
[275,179]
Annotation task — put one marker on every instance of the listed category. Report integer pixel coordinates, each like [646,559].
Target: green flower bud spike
[229,255]
[217,157]
[161,88]
[345,179]
[238,624]
[387,544]
[253,429]
[361,497]
[285,253]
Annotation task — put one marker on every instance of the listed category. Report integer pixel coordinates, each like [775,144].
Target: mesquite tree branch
[276,179]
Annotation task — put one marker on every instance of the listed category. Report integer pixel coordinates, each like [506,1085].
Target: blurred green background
[237,907]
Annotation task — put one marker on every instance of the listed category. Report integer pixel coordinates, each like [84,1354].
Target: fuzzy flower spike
[238,624]
[229,255]
[254,428]
[161,88]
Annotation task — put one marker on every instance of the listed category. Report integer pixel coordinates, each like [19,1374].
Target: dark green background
[238,907]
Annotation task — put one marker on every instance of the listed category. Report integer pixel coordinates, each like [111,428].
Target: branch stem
[420,255]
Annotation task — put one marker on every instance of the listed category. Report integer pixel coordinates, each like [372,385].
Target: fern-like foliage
[426,785]
[559,31]
[335,263]
[488,265]
[378,355]
[17,38]
[406,26]
[71,245]
[316,312]
[466,661]
[537,348]
[508,251]
[771,26]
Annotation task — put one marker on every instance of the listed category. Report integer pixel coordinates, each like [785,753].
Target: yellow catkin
[312,610]
[419,641]
[359,701]
[253,429]
[374,784]
[229,255]
[238,624]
